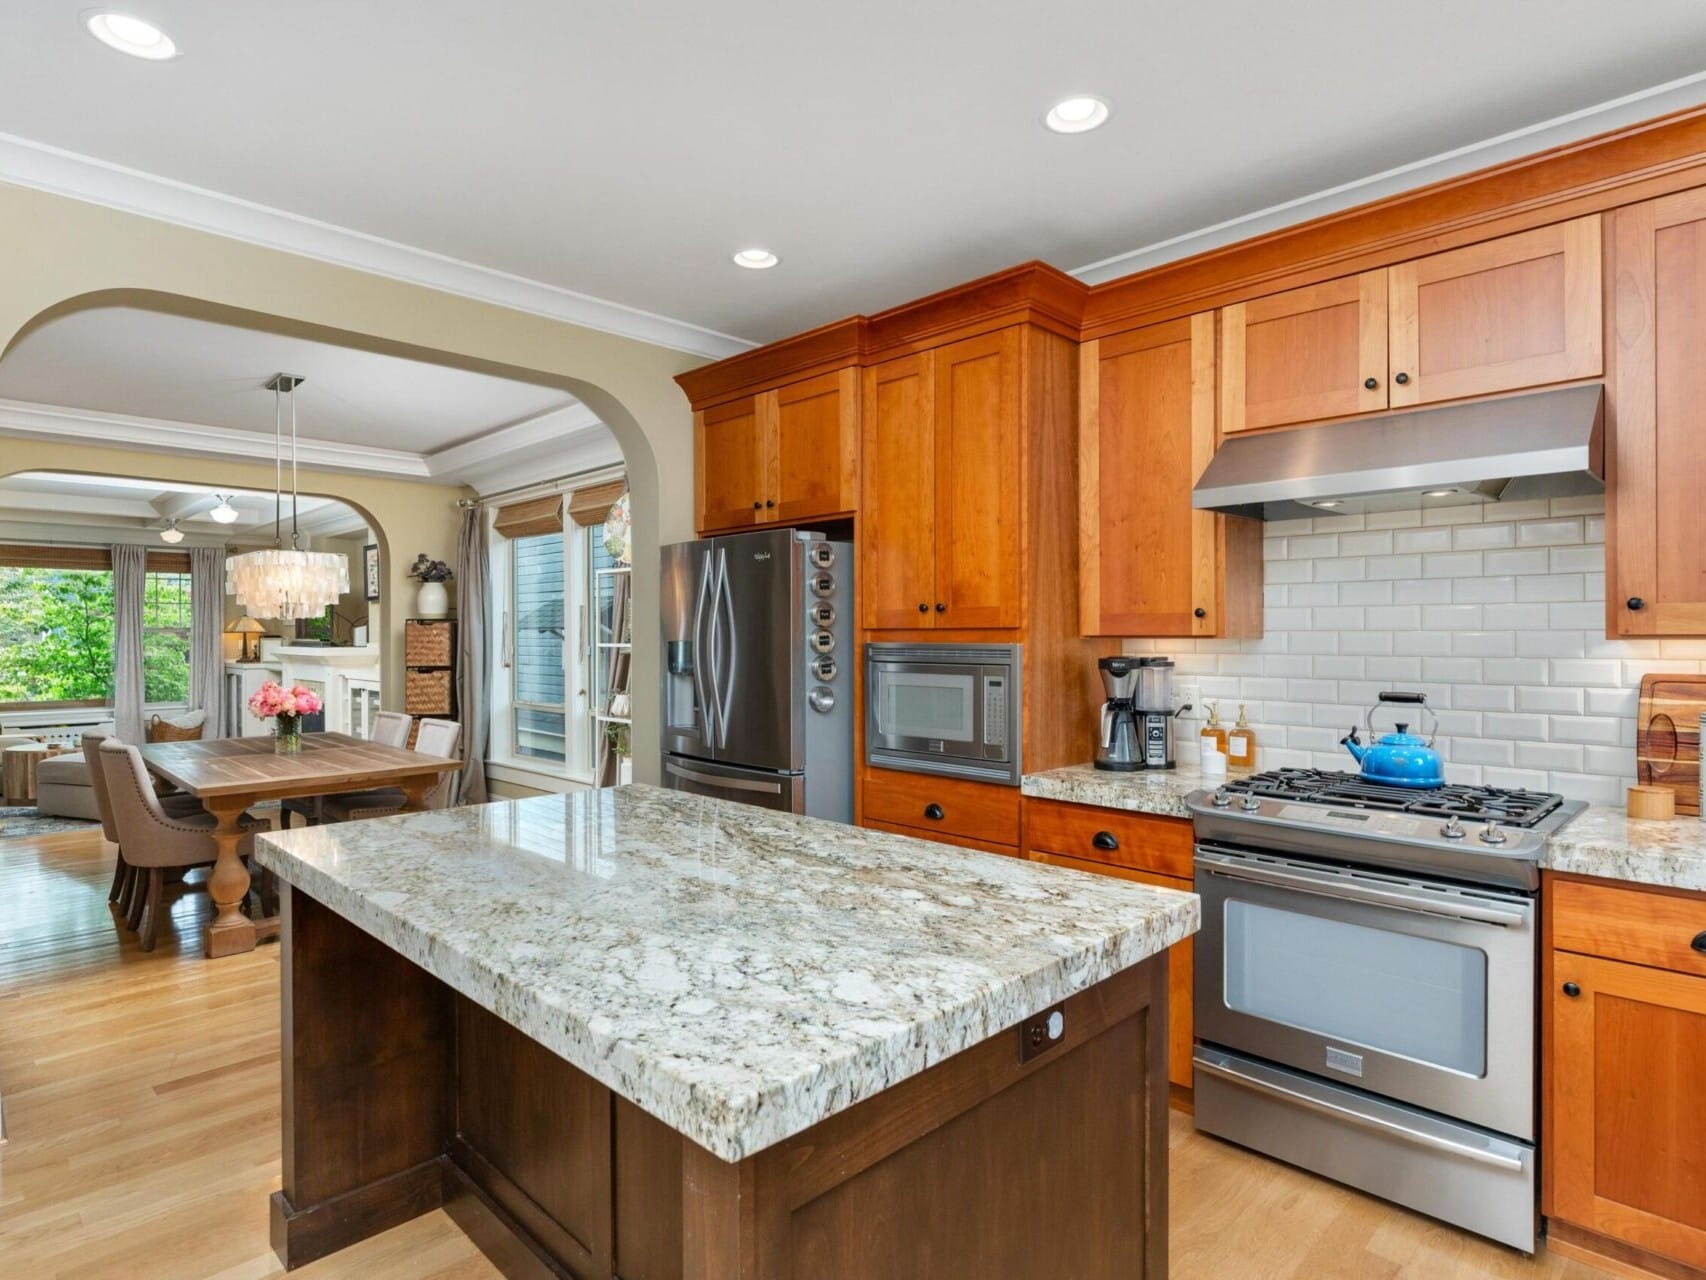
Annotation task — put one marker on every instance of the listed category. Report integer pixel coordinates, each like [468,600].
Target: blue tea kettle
[1398,759]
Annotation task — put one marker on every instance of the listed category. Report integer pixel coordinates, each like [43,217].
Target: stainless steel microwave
[951,709]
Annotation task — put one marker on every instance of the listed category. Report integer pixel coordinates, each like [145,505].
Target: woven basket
[428,644]
[160,731]
[427,693]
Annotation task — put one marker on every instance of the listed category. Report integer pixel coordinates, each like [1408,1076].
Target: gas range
[1479,835]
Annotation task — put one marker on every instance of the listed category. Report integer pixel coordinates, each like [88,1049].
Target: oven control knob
[1492,833]
[1249,804]
[1221,799]
[1452,830]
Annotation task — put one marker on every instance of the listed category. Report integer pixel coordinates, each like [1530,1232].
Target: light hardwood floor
[134,1154]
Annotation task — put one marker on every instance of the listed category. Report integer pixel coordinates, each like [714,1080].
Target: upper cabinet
[1656,454]
[1520,311]
[788,455]
[1149,563]
[1307,354]
[941,487]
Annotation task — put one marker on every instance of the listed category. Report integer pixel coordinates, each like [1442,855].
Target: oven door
[1415,990]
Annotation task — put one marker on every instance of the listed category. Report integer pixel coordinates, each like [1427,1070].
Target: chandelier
[286,583]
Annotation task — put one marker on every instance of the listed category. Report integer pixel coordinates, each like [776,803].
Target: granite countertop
[738,973]
[1601,841]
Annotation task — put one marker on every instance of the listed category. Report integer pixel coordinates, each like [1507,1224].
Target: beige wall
[61,254]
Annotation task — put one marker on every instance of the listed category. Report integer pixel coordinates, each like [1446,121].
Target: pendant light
[171,533]
[283,583]
[224,513]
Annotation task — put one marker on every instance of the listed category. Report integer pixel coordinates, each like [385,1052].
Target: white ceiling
[83,502]
[883,150]
[167,381]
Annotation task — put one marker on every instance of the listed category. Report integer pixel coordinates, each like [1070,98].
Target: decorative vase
[432,600]
[287,738]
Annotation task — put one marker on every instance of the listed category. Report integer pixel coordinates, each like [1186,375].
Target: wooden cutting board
[1667,736]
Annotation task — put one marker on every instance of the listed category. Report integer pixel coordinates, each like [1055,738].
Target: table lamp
[247,627]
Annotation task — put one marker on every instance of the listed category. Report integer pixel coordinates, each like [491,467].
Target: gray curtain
[608,760]
[472,677]
[207,637]
[130,572]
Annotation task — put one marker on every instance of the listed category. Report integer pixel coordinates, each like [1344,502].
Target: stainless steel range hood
[1542,444]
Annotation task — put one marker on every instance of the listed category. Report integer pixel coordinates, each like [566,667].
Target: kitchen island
[643,1034]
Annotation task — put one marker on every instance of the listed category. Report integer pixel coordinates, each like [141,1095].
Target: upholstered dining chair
[124,878]
[154,842]
[436,738]
[389,729]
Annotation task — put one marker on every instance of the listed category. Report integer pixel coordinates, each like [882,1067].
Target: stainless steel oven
[950,709]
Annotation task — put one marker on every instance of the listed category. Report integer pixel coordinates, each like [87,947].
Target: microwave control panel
[994,711]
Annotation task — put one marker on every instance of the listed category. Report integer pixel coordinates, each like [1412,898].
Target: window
[166,637]
[56,634]
[538,680]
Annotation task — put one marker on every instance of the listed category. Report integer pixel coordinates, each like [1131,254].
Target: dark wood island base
[402,1096]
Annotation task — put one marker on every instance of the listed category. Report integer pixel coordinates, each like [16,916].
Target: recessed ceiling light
[138,38]
[1078,114]
[171,533]
[1330,503]
[224,513]
[756,259]
[1439,493]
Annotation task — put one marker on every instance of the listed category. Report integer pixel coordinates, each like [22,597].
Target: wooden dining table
[228,775]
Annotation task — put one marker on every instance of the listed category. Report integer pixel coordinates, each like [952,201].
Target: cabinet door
[1181,980]
[897,500]
[1628,1093]
[1305,354]
[978,459]
[812,452]
[1656,454]
[1520,311]
[1148,559]
[730,473]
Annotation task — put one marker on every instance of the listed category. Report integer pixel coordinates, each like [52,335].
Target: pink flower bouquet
[273,699]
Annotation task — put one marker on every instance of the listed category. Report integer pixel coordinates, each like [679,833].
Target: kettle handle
[1394,697]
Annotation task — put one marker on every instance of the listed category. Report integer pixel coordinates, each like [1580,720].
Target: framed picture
[370,569]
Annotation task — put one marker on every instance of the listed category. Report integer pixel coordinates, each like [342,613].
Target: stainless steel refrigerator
[758,670]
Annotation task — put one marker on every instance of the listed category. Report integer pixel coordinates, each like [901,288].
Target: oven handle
[1350,891]
[1358,1118]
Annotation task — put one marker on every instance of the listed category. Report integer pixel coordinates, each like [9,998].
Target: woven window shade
[16,557]
[590,505]
[531,518]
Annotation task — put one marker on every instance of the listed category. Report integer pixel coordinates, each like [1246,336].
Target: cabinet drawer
[976,810]
[1661,930]
[1112,837]
[942,837]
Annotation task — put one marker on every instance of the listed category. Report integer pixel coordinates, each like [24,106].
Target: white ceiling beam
[180,506]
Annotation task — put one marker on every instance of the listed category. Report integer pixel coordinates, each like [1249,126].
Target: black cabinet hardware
[1401,379]
[1572,990]
[1199,613]
[940,607]
[758,506]
[933,811]
[1371,383]
[1699,943]
[923,608]
[770,502]
[1636,603]
[1105,840]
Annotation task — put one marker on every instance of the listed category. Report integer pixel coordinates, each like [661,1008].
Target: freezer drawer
[784,791]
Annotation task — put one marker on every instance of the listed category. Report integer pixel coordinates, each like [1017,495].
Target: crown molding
[558,442]
[1619,113]
[26,163]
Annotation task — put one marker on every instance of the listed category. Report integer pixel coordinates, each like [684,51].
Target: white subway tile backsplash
[1497,613]
[1682,648]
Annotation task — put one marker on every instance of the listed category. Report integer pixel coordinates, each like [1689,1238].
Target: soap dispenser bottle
[1213,732]
[1241,745]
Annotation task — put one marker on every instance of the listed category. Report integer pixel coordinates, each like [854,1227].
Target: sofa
[62,783]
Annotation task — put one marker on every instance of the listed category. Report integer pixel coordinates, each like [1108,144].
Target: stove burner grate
[1506,806]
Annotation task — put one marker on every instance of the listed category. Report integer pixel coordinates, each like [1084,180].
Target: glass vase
[287,738]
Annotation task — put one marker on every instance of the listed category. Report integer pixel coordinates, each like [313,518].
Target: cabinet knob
[1401,379]
[1199,613]
[1371,383]
[1572,990]
[940,607]
[923,608]
[1636,603]
[770,502]
[758,506]
[1105,840]
[933,811]
[1699,943]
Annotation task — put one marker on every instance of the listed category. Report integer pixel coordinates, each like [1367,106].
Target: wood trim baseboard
[300,1236]
[1614,1256]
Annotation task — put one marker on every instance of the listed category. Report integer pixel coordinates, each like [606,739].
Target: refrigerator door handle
[725,674]
[716,780]
[702,653]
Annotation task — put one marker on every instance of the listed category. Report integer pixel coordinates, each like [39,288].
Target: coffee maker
[1119,747]
[1155,711]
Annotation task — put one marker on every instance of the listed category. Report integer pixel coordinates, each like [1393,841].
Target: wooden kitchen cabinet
[1656,450]
[1304,355]
[941,484]
[783,455]
[1130,846]
[1149,563]
[1519,311]
[1626,1070]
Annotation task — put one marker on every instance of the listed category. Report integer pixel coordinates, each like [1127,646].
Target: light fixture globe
[171,533]
[224,513]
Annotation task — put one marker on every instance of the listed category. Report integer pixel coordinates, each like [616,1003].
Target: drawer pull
[1572,990]
[934,812]
[1106,840]
[1699,943]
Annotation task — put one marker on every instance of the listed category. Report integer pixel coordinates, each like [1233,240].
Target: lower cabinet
[1625,1072]
[979,815]
[1131,846]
